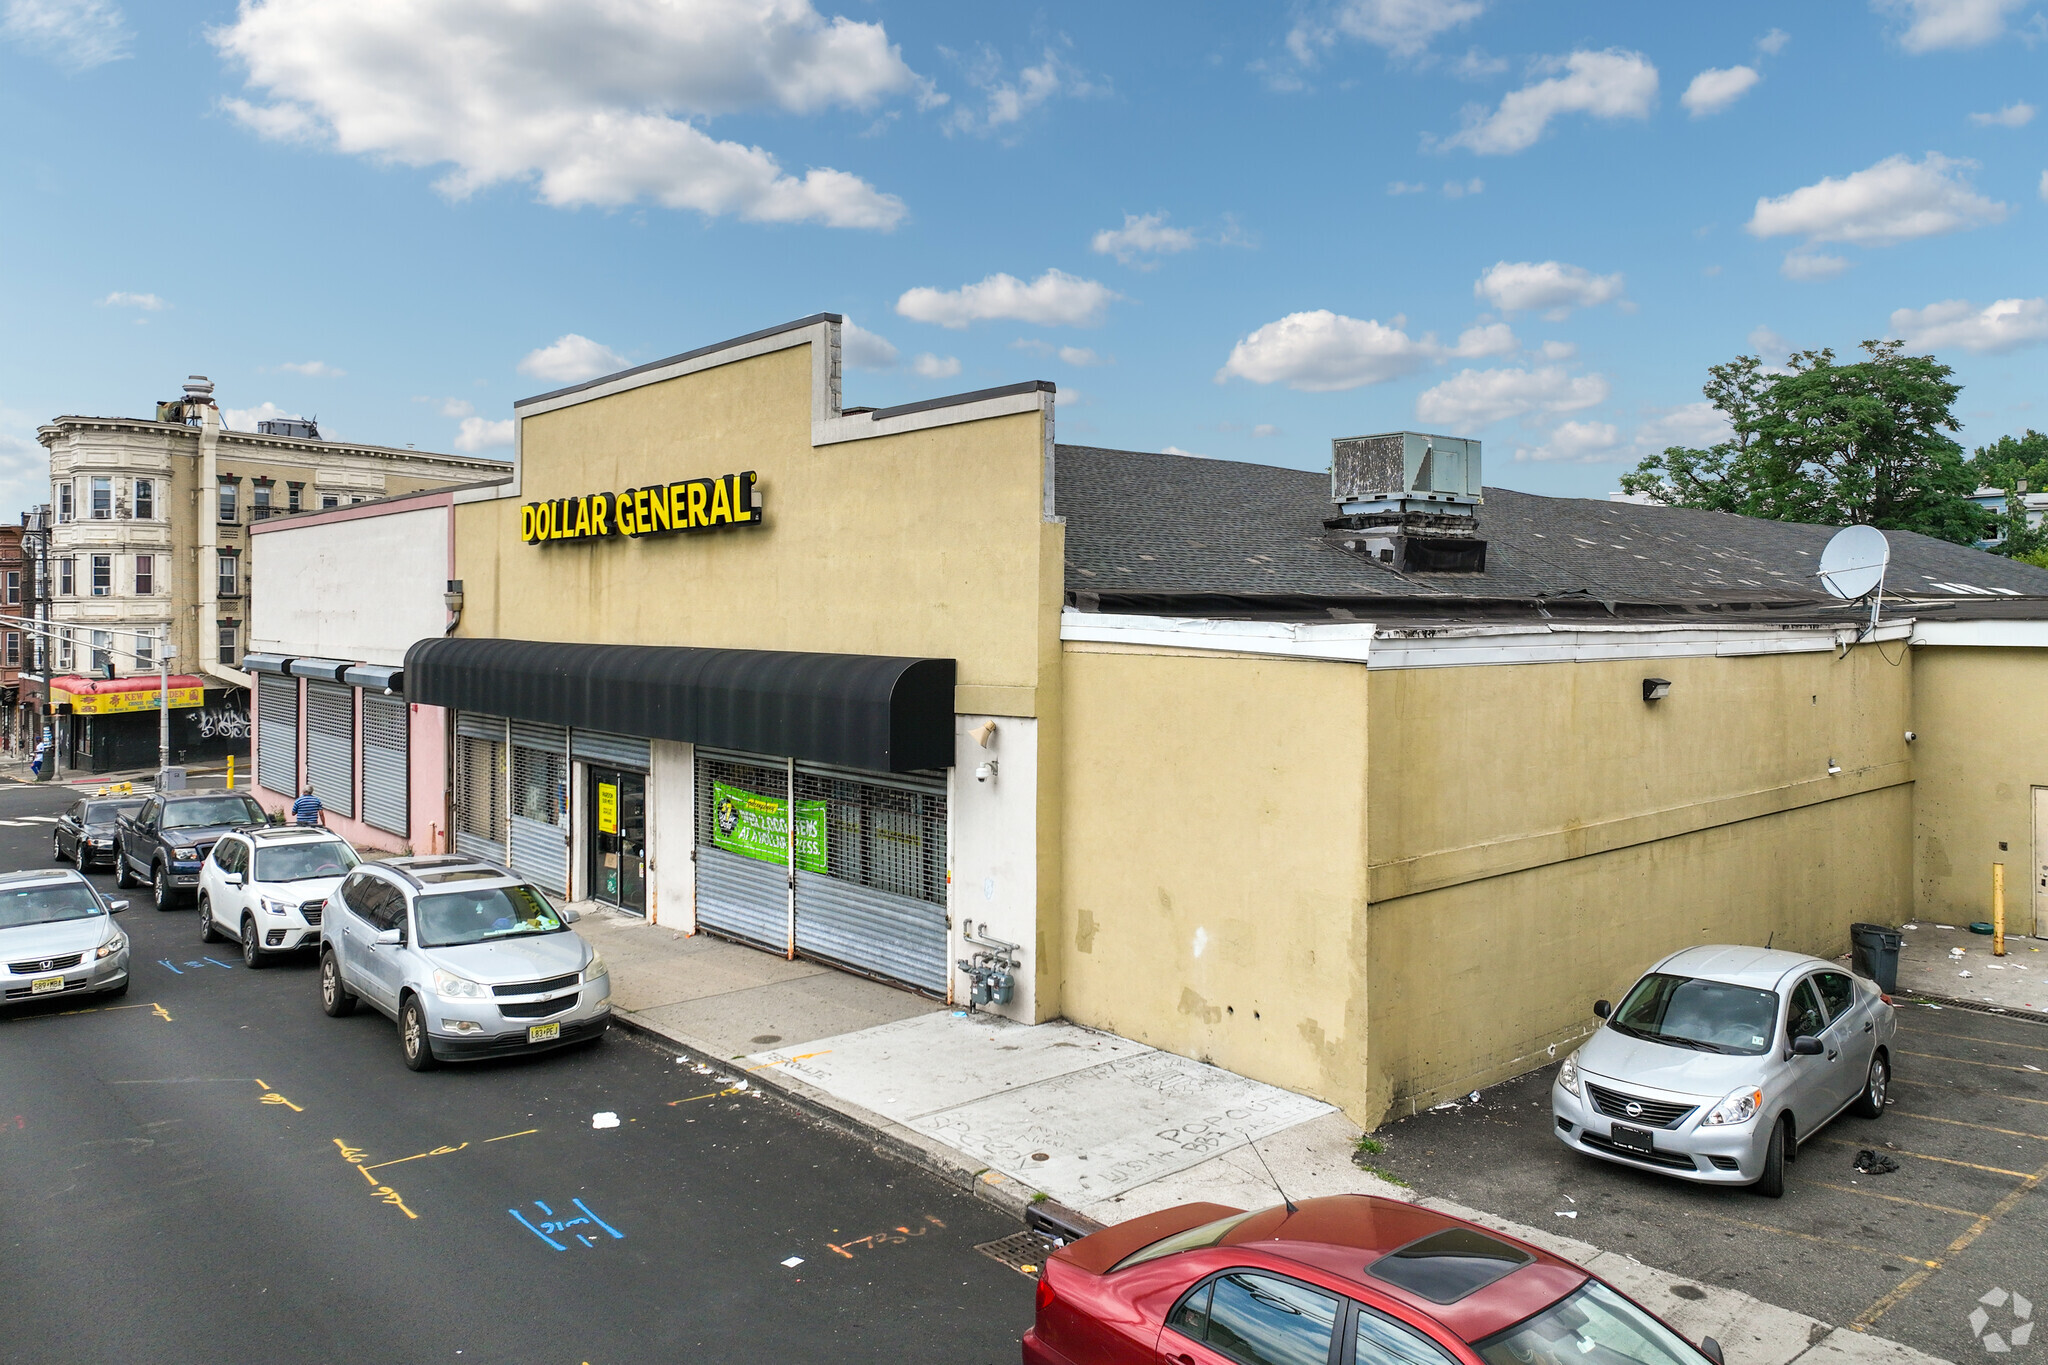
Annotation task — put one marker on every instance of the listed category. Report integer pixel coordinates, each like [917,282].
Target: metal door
[277,733]
[331,744]
[540,798]
[618,838]
[387,782]
[480,779]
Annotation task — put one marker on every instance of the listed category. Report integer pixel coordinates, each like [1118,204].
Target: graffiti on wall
[224,719]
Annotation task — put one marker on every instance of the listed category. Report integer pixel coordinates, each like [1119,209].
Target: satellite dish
[1854,562]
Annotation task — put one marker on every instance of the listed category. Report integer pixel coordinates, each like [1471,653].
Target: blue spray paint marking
[167,962]
[550,1225]
[218,963]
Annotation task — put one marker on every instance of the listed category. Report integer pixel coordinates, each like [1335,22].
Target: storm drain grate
[1023,1252]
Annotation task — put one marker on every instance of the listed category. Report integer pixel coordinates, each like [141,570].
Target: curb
[1011,1196]
[1976,1006]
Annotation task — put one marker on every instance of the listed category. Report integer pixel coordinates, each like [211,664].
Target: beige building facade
[1132,740]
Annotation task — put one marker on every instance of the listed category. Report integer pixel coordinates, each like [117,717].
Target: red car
[1347,1280]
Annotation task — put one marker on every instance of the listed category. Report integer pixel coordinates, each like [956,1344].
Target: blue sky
[1229,230]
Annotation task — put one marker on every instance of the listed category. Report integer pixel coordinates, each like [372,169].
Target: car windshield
[1708,1016]
[107,812]
[212,810]
[50,903]
[448,919]
[304,862]
[1594,1326]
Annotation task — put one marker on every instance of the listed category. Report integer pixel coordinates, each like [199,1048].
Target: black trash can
[1874,952]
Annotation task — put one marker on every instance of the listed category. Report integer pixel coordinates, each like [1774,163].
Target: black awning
[855,710]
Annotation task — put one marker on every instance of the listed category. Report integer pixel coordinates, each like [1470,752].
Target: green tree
[2018,465]
[1862,443]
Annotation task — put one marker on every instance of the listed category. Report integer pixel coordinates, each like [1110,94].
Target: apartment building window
[227,643]
[295,496]
[230,489]
[67,585]
[64,650]
[259,501]
[102,499]
[14,587]
[102,651]
[102,575]
[64,508]
[229,580]
[145,651]
[13,649]
[328,500]
[145,500]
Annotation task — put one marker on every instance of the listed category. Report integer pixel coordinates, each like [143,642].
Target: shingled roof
[1146,529]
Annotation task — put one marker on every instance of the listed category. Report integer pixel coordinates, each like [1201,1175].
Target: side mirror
[569,916]
[1601,1009]
[389,938]
[1806,1045]
[116,907]
[1711,1349]
[231,878]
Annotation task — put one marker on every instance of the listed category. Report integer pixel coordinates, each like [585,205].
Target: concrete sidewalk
[1947,962]
[1108,1126]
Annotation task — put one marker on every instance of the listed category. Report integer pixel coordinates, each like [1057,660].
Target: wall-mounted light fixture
[1656,689]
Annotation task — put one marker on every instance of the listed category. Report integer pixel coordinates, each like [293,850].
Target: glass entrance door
[618,838]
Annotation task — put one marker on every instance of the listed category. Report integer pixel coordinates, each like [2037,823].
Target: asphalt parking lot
[1907,1255]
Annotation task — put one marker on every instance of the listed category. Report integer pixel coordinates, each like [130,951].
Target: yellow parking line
[1965,1090]
[1965,1061]
[1973,1038]
[1972,1233]
[1981,1127]
[1897,1199]
[1944,1160]
[1815,1237]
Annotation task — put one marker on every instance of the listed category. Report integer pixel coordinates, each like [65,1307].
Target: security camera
[1910,736]
[985,771]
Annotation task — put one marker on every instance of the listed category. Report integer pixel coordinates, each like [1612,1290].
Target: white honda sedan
[269,888]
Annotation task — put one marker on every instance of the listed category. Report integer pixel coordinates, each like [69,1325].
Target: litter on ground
[1875,1163]
[793,1262]
[606,1119]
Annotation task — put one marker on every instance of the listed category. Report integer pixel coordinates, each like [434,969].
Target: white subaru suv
[269,888]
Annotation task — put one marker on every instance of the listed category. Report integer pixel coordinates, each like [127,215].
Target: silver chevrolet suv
[469,959]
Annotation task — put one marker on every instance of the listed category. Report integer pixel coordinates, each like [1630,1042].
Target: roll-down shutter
[331,744]
[621,751]
[540,800]
[479,765]
[737,896]
[386,767]
[277,733]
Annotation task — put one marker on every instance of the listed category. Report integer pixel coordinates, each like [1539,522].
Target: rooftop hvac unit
[1404,471]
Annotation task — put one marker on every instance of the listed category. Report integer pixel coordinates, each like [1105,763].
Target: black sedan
[85,831]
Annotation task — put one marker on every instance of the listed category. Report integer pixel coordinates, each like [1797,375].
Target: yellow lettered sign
[607,808]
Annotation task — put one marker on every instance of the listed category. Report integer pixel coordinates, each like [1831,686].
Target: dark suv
[165,842]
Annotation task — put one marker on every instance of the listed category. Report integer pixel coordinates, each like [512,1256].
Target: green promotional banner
[757,826]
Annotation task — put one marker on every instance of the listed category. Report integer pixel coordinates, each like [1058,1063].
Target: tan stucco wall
[1540,834]
[1215,874]
[1982,749]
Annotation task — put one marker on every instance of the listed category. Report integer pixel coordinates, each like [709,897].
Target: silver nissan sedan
[1721,1061]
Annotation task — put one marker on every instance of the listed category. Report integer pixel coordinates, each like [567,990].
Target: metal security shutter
[622,751]
[331,744]
[386,767]
[738,897]
[277,734]
[479,765]
[882,908]
[540,803]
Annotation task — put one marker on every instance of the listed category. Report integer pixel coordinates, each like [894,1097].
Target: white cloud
[1323,352]
[2018,114]
[1141,237]
[571,360]
[148,303]
[1478,65]
[1477,398]
[245,419]
[481,433]
[1559,350]
[1403,27]
[863,350]
[1613,84]
[1176,450]
[1896,200]
[457,407]
[2005,325]
[1081,357]
[592,104]
[1804,263]
[1934,25]
[1009,101]
[79,34]
[1520,286]
[1487,339]
[1458,189]
[1697,424]
[1772,43]
[1716,88]
[1054,299]
[1768,345]
[1576,442]
[313,369]
[1400,187]
[1265,429]
[2044,184]
[929,366]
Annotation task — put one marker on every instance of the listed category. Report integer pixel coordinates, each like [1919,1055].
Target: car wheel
[1771,1184]
[122,877]
[1870,1104]
[412,1035]
[209,932]
[335,998]
[253,956]
[161,881]
[56,847]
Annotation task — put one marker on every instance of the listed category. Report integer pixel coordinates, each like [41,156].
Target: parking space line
[1944,1160]
[1816,1237]
[1973,1038]
[1919,1277]
[1965,1061]
[1965,1090]
[1898,1199]
[1981,1127]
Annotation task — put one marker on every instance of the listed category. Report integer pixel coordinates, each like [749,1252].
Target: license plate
[547,1033]
[43,985]
[1632,1139]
